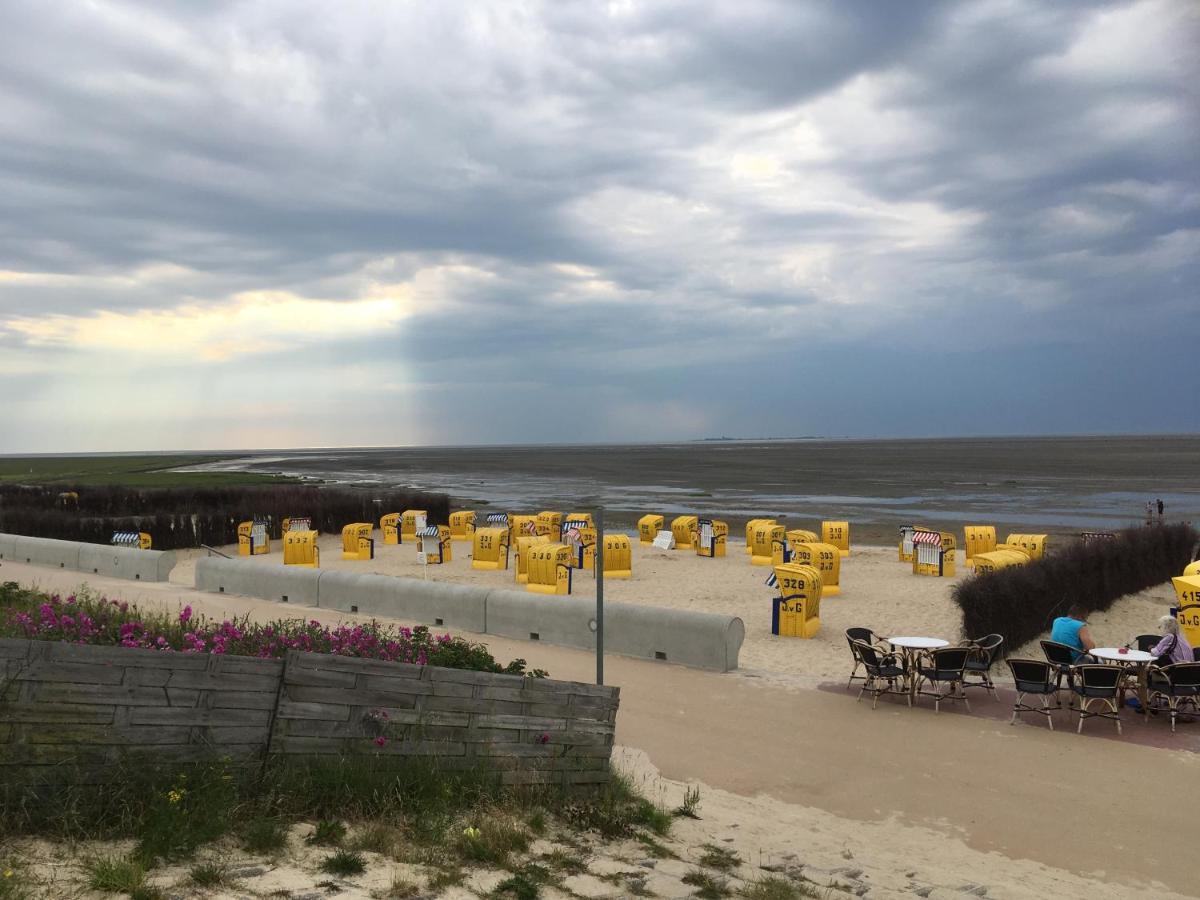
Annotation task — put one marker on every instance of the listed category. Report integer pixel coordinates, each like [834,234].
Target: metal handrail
[212,550]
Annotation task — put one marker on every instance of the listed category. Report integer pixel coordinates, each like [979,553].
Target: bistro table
[1136,658]
[910,648]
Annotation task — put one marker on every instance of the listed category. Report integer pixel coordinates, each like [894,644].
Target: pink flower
[544,739]
[381,741]
[185,615]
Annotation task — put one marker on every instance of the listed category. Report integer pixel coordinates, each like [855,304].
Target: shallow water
[1061,484]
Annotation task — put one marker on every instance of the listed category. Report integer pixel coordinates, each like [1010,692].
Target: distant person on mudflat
[1174,647]
[1160,507]
[1072,630]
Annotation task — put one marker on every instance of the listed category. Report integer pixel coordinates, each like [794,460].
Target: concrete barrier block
[126,562]
[349,592]
[555,619]
[208,574]
[702,640]
[48,552]
[281,584]
[8,547]
[435,603]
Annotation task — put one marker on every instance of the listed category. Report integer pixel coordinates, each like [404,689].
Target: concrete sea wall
[702,640]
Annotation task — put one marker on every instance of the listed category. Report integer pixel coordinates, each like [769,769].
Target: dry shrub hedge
[188,517]
[1021,602]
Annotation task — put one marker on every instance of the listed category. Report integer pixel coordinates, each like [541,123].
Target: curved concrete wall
[702,640]
[126,562]
[92,559]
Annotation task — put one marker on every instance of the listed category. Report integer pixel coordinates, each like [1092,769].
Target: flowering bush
[84,618]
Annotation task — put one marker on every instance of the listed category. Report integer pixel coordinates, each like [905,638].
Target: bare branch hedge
[1021,602]
[188,517]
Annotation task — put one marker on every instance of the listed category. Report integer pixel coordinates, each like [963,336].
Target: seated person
[1072,630]
[1173,648]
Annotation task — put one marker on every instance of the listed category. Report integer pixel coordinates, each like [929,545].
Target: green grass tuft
[377,837]
[564,862]
[493,840]
[526,883]
[537,822]
[617,812]
[264,836]
[115,875]
[707,885]
[447,876]
[657,849]
[344,863]
[328,833]
[774,887]
[402,889]
[208,874]
[721,858]
[691,804]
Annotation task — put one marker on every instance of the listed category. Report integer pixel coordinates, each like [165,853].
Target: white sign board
[665,540]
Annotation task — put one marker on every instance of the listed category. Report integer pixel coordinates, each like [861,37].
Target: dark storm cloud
[570,194]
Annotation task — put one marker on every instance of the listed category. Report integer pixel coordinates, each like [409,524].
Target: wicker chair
[1034,676]
[883,675]
[1094,683]
[984,653]
[946,665]
[1063,658]
[1180,686]
[1146,642]
[867,636]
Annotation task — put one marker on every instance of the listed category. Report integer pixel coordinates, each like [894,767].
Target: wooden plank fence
[74,707]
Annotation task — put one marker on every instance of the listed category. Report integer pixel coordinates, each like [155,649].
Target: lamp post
[599,595]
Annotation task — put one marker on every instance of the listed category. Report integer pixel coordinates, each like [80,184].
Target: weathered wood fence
[66,707]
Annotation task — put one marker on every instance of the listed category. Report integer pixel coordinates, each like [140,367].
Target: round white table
[1137,658]
[918,643]
[1122,655]
[910,646]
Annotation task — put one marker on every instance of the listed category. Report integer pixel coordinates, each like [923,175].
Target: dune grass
[411,810]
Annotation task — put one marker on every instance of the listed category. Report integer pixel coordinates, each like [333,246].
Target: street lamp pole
[599,595]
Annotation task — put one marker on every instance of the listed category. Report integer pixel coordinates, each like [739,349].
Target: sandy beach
[877,592]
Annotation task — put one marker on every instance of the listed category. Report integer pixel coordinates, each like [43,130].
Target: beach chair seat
[883,676]
[984,653]
[944,666]
[1099,684]
[1036,677]
[1180,686]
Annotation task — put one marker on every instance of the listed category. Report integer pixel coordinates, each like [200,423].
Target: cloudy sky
[271,224]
